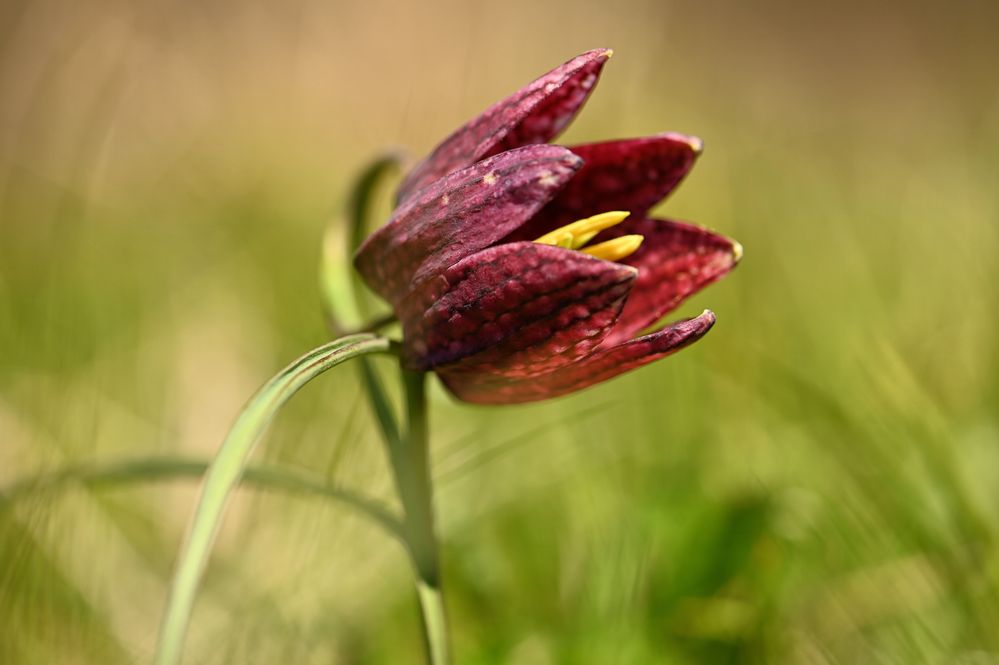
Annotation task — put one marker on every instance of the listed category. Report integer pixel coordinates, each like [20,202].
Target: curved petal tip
[536,113]
[482,388]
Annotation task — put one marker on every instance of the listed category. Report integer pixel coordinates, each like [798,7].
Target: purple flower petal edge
[516,309]
[536,113]
[483,388]
[461,214]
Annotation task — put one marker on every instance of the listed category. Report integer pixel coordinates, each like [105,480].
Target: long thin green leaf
[362,196]
[151,469]
[224,474]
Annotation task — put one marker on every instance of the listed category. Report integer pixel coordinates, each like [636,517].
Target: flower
[488,260]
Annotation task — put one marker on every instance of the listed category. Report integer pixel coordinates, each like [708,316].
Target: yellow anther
[577,234]
[616,249]
[559,238]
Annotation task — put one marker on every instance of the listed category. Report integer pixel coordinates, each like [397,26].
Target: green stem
[412,473]
[224,475]
[382,407]
[434,622]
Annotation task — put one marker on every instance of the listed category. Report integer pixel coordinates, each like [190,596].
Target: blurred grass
[815,482]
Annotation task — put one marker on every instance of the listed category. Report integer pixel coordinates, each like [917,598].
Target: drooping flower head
[522,271]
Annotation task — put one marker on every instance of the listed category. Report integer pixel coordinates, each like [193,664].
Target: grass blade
[225,472]
[152,469]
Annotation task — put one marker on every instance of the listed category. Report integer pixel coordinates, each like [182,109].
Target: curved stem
[225,472]
[343,301]
[358,219]
[408,452]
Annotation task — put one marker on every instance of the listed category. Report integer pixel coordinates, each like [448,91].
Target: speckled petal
[675,261]
[460,214]
[483,388]
[516,309]
[629,174]
[536,113]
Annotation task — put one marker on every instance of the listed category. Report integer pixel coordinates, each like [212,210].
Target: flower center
[576,235]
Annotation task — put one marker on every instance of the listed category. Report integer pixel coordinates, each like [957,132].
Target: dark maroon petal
[630,174]
[516,309]
[534,114]
[675,261]
[461,214]
[484,388]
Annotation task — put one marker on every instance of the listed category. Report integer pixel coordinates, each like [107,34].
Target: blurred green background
[817,481]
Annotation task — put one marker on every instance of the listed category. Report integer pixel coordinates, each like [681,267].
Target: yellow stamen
[616,249]
[577,234]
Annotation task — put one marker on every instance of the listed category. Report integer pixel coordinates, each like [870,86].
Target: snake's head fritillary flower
[521,270]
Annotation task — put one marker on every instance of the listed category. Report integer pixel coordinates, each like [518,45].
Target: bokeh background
[817,481]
